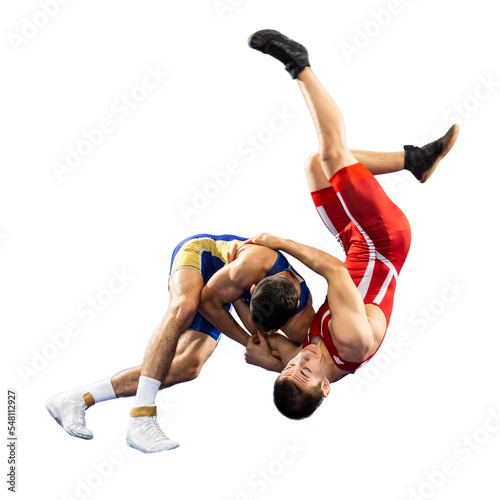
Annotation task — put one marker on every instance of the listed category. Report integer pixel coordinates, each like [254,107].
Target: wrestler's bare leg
[185,287]
[68,408]
[144,433]
[376,163]
[329,124]
[193,350]
[334,153]
[380,163]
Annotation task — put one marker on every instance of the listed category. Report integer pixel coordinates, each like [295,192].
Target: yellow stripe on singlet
[189,255]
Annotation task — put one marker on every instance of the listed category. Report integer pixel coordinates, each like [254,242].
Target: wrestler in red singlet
[375,235]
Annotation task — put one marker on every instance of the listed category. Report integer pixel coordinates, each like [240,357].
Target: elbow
[204,308]
[332,267]
[359,350]
[364,344]
[366,350]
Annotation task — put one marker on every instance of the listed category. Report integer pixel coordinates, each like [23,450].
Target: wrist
[244,339]
[283,244]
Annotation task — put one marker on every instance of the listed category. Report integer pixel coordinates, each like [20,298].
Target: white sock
[101,391]
[146,391]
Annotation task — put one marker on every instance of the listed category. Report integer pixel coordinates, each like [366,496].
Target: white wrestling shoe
[68,410]
[145,434]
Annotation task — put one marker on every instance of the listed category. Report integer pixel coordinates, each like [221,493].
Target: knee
[183,310]
[186,369]
[192,363]
[313,164]
[193,368]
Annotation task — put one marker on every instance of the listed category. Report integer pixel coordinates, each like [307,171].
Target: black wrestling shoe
[293,55]
[422,162]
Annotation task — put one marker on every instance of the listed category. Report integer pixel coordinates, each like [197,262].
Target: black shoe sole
[449,140]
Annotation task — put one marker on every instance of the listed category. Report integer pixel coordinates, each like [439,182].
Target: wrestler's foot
[68,410]
[422,162]
[144,433]
[293,55]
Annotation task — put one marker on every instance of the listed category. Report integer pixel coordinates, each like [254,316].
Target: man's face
[307,369]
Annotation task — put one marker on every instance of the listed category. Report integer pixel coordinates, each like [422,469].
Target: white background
[381,431]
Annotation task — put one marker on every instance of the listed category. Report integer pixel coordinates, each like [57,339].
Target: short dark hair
[274,301]
[293,401]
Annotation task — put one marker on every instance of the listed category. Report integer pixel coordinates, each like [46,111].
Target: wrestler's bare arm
[243,311]
[286,349]
[271,353]
[354,335]
[227,285]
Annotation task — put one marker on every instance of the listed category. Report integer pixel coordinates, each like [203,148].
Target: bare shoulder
[256,256]
[363,339]
[251,265]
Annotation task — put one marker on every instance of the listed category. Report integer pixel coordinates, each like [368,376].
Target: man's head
[303,384]
[274,301]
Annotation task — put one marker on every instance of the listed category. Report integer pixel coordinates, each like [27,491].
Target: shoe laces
[153,430]
[433,148]
[81,414]
[75,411]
